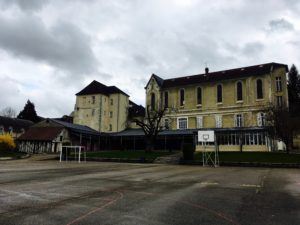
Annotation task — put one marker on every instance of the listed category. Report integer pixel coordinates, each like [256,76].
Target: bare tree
[8,112]
[279,119]
[151,126]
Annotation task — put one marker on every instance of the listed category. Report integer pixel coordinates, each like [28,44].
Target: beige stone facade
[208,112]
[102,108]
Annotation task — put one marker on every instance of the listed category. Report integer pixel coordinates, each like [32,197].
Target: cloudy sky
[51,49]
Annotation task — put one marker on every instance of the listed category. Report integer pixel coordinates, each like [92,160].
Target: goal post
[66,151]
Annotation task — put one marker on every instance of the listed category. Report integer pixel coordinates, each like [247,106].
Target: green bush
[188,150]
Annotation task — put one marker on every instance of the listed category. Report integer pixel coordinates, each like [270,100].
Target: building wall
[108,113]
[249,107]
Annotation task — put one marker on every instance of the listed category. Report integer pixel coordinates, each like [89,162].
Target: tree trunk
[149,144]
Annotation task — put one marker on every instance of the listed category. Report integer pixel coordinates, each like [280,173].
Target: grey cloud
[252,48]
[26,5]
[63,46]
[280,25]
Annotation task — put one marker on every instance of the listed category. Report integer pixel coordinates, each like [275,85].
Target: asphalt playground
[46,192]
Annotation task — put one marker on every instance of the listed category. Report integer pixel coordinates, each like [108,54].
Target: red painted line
[216,213]
[97,209]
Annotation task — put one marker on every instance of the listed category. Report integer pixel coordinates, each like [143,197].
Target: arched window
[181,97]
[219,93]
[239,91]
[152,101]
[166,99]
[259,89]
[199,96]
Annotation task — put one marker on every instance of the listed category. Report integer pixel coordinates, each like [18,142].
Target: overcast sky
[51,49]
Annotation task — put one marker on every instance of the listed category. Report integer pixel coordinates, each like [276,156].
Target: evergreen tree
[29,113]
[294,90]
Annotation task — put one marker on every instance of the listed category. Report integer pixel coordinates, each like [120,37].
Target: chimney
[206,70]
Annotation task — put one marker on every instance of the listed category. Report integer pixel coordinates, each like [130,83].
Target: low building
[135,112]
[14,126]
[49,135]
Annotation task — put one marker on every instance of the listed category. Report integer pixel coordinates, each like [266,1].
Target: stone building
[103,108]
[50,135]
[233,101]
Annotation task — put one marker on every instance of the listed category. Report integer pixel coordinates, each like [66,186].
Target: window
[10,129]
[279,101]
[93,112]
[261,119]
[93,99]
[166,99]
[259,89]
[219,93]
[1,130]
[199,121]
[110,114]
[111,101]
[239,91]
[218,119]
[278,84]
[238,120]
[182,123]
[199,96]
[182,97]
[110,127]
[153,101]
[167,124]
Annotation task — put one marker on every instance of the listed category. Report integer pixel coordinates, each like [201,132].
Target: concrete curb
[15,158]
[247,164]
[124,160]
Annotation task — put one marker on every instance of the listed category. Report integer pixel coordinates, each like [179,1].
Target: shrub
[188,150]
[6,142]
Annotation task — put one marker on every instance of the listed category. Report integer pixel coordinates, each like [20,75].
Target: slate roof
[255,70]
[136,110]
[16,124]
[140,132]
[76,127]
[96,87]
[41,134]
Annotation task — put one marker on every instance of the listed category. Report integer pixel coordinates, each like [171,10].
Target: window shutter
[259,119]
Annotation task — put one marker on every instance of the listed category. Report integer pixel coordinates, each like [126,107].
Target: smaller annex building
[49,135]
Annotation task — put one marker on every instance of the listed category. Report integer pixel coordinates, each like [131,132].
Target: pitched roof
[16,124]
[41,133]
[76,127]
[96,87]
[255,70]
[135,110]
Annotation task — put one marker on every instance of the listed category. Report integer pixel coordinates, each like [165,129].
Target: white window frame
[238,123]
[219,122]
[199,122]
[279,103]
[278,84]
[261,119]
[178,123]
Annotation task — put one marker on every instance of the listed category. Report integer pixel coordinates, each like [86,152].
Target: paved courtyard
[49,192]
